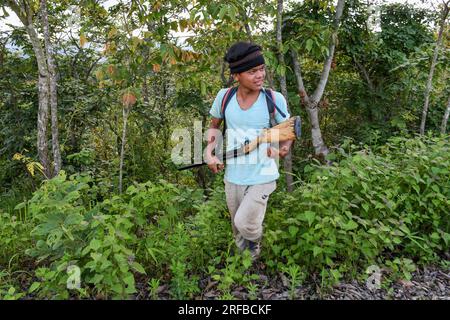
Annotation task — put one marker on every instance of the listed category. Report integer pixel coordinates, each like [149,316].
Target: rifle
[287,130]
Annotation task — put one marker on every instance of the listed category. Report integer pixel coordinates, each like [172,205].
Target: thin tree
[445,118]
[311,101]
[429,87]
[52,83]
[128,100]
[282,78]
[25,13]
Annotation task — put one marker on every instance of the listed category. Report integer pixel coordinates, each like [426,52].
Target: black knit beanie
[243,56]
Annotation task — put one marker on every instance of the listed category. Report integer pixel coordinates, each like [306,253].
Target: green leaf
[336,274]
[232,12]
[309,44]
[68,233]
[222,11]
[95,244]
[365,207]
[203,88]
[310,216]
[434,236]
[404,229]
[316,251]
[20,205]
[280,70]
[139,268]
[129,280]
[350,225]
[34,286]
[247,262]
[435,188]
[293,231]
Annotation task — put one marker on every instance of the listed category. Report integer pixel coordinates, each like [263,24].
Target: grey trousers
[247,205]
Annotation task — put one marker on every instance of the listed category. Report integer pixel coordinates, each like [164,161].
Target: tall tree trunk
[126,111]
[145,91]
[52,82]
[282,77]
[429,87]
[288,159]
[445,118]
[42,124]
[313,111]
[317,95]
[311,102]
[2,52]
[25,14]
[320,148]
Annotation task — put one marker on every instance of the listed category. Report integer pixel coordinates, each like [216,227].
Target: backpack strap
[272,106]
[270,100]
[226,100]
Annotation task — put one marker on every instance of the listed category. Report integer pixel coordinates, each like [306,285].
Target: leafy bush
[387,207]
[107,240]
[368,209]
[14,238]
[183,237]
[71,232]
[236,271]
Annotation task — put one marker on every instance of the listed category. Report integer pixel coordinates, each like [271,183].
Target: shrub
[71,232]
[367,209]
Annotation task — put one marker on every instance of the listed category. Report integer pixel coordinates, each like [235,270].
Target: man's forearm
[213,135]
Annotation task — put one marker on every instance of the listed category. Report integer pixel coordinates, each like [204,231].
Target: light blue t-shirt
[242,125]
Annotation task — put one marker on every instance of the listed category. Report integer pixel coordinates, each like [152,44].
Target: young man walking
[249,179]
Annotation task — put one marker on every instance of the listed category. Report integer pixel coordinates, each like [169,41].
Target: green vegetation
[120,218]
[387,206]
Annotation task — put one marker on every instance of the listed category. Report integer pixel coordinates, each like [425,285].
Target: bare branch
[317,95]
[298,74]
[364,72]
[445,118]
[429,87]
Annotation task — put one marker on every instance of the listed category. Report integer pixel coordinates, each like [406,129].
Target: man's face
[252,79]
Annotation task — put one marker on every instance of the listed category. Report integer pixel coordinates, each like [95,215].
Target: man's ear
[236,76]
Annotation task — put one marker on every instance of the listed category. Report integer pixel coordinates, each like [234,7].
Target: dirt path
[426,284]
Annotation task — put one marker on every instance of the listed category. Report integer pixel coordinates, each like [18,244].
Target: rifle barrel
[192,166]
[229,155]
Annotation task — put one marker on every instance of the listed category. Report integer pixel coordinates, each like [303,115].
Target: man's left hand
[276,153]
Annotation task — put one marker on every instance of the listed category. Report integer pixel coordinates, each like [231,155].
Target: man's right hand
[214,164]
[212,161]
